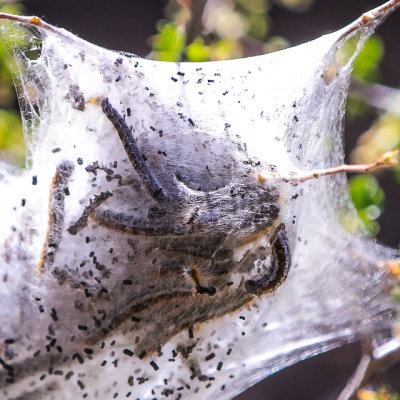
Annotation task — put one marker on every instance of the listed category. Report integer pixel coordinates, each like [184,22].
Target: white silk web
[91,313]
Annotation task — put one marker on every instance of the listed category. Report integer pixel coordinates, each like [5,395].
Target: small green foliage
[225,49]
[11,138]
[368,199]
[198,51]
[10,37]
[254,14]
[11,33]
[366,64]
[383,393]
[257,26]
[383,135]
[12,147]
[169,43]
[365,69]
[231,29]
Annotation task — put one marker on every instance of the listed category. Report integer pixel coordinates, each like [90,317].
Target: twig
[382,11]
[387,159]
[195,23]
[39,23]
[372,362]
[355,382]
[33,21]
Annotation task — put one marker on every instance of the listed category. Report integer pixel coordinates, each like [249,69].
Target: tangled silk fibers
[157,246]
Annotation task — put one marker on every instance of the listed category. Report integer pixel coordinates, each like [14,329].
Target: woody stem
[390,158]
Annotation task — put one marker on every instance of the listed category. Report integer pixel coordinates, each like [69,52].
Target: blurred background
[200,30]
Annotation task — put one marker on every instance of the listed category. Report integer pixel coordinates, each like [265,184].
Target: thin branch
[372,362]
[194,26]
[387,159]
[39,23]
[355,382]
[32,21]
[379,12]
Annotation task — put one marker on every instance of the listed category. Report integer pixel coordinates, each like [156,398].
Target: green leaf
[257,26]
[365,191]
[12,146]
[366,64]
[198,51]
[226,49]
[368,199]
[169,43]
